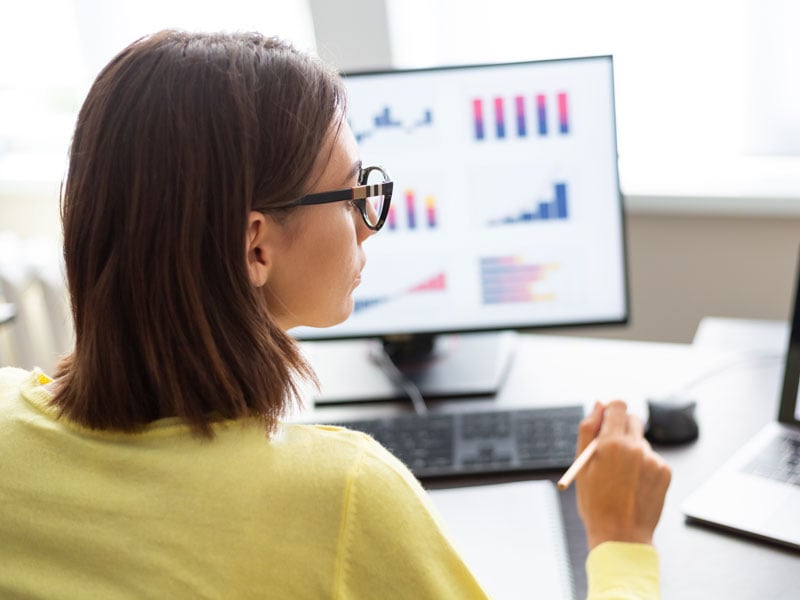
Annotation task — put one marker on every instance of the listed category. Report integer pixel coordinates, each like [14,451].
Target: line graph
[433,284]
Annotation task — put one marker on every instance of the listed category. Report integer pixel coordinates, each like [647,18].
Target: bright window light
[53,49]
[707,92]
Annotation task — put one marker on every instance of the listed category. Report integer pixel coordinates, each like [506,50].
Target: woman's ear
[260,230]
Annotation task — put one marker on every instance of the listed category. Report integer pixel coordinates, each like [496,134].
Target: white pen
[569,475]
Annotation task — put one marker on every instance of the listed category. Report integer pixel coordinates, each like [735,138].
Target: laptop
[757,491]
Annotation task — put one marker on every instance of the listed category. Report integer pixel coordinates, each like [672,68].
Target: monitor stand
[441,366]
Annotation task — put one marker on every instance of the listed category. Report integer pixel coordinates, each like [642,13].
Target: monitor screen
[506,212]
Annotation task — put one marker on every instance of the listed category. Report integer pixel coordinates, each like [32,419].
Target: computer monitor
[506,212]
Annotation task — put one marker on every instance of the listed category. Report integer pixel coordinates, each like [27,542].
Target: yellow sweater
[314,512]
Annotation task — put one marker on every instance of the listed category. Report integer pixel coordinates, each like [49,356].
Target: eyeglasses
[372,196]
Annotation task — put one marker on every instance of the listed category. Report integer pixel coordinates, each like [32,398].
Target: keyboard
[476,443]
[779,460]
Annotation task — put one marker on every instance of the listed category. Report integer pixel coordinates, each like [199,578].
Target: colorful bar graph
[541,113]
[430,211]
[563,114]
[427,218]
[477,115]
[522,120]
[519,102]
[507,279]
[499,118]
[550,210]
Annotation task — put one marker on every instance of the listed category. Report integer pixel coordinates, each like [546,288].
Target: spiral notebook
[511,535]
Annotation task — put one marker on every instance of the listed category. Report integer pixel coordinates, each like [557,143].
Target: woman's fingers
[635,428]
[589,427]
[615,419]
[621,491]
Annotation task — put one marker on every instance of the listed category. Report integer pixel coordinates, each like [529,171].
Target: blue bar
[541,111]
[544,210]
[384,119]
[561,200]
[519,102]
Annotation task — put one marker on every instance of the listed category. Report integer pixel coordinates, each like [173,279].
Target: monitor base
[442,366]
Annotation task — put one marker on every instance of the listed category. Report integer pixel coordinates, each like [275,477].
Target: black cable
[384,361]
[749,361]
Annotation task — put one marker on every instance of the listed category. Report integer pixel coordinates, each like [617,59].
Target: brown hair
[179,138]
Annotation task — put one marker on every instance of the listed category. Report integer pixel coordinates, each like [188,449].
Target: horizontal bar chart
[512,279]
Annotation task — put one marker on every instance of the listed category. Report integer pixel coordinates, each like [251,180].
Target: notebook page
[512,537]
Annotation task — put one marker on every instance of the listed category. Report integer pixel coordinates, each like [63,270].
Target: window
[707,91]
[53,49]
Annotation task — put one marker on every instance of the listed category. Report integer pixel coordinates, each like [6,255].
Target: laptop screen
[790,396]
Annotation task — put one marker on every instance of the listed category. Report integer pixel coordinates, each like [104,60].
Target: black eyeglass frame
[358,195]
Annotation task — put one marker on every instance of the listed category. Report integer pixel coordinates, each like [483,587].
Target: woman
[197,230]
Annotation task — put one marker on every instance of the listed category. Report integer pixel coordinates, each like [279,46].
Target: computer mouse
[671,421]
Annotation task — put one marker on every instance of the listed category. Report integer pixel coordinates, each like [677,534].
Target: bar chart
[513,279]
[528,114]
[549,210]
[412,214]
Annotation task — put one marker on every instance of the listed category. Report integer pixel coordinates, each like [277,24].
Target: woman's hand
[621,490]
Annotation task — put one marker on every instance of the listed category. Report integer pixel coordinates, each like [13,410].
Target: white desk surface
[742,334]
[547,370]
[734,368]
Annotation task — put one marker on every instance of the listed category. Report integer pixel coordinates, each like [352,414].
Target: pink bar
[477,115]
[499,118]
[563,114]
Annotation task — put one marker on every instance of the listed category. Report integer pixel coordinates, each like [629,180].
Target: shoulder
[370,470]
[330,444]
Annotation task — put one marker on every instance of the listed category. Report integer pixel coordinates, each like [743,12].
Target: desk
[736,386]
[733,405]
